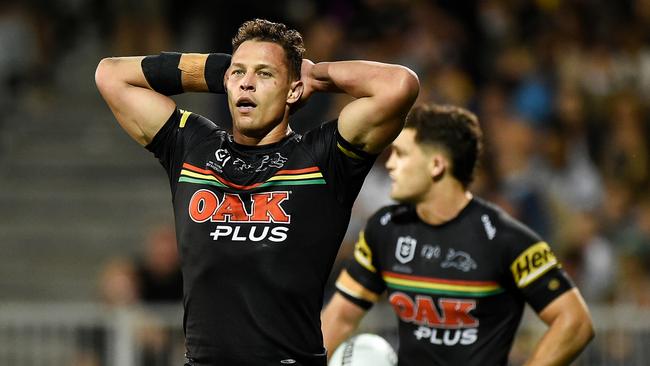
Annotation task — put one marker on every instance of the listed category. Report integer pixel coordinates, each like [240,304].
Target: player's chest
[221,157]
[246,191]
[439,278]
[218,163]
[452,260]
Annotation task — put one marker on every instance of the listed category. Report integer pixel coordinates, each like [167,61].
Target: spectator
[158,272]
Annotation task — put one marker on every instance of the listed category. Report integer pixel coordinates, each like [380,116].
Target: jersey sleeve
[533,268]
[361,281]
[179,134]
[344,166]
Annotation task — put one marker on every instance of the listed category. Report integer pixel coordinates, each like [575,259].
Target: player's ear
[295,92]
[437,166]
[225,80]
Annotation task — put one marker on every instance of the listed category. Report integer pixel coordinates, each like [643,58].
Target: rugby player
[457,269]
[259,212]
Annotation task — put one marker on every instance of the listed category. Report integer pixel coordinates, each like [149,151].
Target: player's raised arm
[137,88]
[570,330]
[384,94]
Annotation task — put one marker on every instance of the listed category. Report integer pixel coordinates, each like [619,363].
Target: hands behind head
[308,81]
[307,78]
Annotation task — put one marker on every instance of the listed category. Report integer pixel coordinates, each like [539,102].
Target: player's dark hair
[266,31]
[453,129]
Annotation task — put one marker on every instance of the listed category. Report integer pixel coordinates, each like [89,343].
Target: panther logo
[459,260]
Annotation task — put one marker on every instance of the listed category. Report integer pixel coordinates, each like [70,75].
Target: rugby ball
[364,350]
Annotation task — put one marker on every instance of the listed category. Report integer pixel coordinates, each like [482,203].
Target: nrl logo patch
[222,156]
[405,249]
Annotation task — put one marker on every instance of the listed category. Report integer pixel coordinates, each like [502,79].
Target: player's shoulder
[392,215]
[317,139]
[327,128]
[189,120]
[500,225]
[183,127]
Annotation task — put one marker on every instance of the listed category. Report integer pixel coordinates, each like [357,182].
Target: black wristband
[215,68]
[162,72]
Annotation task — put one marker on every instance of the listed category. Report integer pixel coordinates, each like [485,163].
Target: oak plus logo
[262,217]
[446,322]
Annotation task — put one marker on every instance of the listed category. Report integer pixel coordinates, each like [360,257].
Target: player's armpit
[570,330]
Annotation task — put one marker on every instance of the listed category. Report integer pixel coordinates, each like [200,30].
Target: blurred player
[259,212]
[457,269]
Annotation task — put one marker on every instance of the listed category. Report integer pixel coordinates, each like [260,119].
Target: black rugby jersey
[258,229]
[458,288]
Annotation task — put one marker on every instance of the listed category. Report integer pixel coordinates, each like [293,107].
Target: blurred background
[88,264]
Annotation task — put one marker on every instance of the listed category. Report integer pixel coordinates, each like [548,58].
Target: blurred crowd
[560,87]
[138,285]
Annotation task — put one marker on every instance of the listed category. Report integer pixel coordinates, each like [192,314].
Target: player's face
[258,85]
[409,169]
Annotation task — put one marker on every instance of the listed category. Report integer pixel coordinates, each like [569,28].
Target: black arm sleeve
[164,76]
[162,72]
[215,68]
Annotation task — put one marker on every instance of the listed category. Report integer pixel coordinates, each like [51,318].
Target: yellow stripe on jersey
[532,264]
[184,117]
[363,254]
[345,283]
[348,153]
[296,177]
